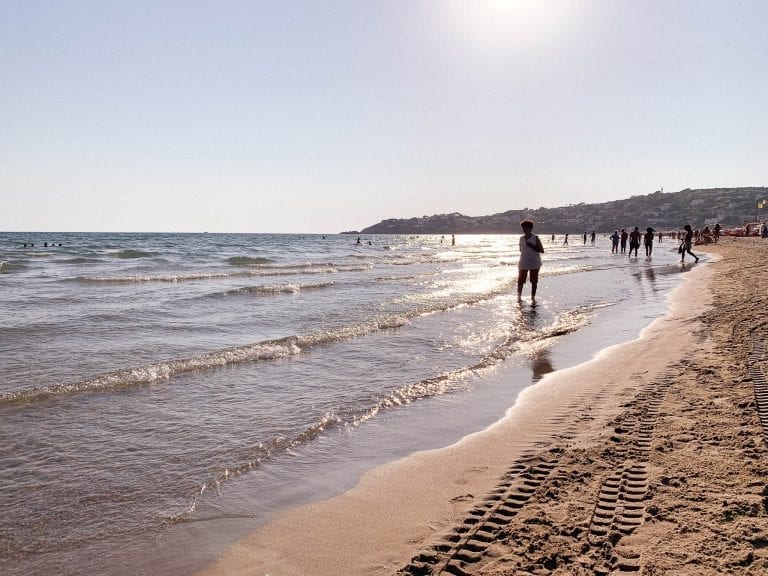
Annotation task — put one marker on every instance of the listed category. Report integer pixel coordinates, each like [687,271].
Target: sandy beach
[649,459]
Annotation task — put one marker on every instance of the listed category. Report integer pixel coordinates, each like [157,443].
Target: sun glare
[507,23]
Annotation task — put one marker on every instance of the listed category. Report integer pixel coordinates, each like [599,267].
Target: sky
[328,116]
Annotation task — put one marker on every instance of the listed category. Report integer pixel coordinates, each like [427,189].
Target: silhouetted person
[648,241]
[634,241]
[624,237]
[615,242]
[687,243]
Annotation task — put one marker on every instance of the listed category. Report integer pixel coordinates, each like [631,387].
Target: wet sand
[649,459]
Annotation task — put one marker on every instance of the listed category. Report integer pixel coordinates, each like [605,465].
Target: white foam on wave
[138,278]
[272,289]
[295,269]
[163,370]
[273,349]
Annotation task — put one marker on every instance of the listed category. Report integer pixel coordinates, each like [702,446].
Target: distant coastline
[662,210]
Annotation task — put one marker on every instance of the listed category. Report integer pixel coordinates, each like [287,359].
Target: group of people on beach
[531,250]
[619,241]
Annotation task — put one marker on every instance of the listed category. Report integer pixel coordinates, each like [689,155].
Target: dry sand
[650,459]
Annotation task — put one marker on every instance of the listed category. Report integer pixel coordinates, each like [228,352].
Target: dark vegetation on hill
[663,211]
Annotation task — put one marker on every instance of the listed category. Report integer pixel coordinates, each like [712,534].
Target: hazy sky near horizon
[303,116]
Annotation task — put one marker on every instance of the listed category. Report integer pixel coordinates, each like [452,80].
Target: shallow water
[156,387]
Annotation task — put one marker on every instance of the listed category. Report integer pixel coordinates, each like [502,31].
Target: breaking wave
[273,349]
[7,266]
[271,289]
[262,271]
[163,370]
[292,269]
[149,278]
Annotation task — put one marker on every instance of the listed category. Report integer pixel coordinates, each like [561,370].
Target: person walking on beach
[648,241]
[634,241]
[565,241]
[717,230]
[624,237]
[531,250]
[687,243]
[592,237]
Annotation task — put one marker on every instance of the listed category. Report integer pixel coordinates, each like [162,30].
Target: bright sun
[507,23]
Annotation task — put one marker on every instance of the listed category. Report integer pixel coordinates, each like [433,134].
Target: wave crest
[6,266]
[151,373]
[149,278]
[272,289]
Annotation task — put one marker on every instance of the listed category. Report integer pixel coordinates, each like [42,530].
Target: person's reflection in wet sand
[648,275]
[540,360]
[541,364]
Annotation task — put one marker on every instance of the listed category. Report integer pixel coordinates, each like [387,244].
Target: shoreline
[413,514]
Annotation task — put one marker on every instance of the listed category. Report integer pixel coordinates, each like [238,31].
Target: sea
[161,395]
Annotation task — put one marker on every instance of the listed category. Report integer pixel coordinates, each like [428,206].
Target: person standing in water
[648,241]
[634,241]
[615,242]
[531,250]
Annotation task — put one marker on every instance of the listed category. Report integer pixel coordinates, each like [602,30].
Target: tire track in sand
[620,507]
[501,534]
[757,370]
[467,544]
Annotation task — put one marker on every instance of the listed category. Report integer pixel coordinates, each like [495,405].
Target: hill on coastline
[662,211]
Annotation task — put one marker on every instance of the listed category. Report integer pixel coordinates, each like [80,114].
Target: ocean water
[161,394]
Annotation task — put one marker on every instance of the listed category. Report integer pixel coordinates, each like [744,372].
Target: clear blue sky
[322,116]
